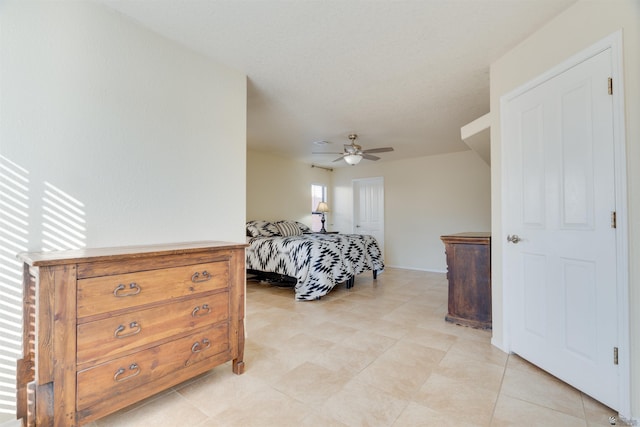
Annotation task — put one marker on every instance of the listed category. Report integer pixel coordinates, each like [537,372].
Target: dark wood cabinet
[469,276]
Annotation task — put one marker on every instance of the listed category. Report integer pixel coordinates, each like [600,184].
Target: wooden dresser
[105,328]
[469,275]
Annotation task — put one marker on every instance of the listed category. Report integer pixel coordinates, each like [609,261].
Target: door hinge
[613,219]
[610,86]
[615,355]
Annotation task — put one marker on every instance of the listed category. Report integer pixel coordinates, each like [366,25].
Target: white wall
[580,26]
[425,198]
[140,140]
[280,188]
[148,136]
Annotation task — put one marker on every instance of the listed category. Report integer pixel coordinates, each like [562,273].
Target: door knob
[513,239]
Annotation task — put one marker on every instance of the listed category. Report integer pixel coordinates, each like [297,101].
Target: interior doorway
[368,208]
[563,185]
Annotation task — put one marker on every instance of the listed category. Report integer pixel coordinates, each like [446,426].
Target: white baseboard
[415,269]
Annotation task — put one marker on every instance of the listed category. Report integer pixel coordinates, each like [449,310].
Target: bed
[313,262]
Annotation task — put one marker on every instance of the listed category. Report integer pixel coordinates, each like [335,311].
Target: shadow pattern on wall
[63,220]
[63,227]
[14,238]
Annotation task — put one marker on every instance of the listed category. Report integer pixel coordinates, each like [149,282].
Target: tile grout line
[504,372]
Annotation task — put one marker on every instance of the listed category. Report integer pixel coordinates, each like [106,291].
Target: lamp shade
[353,159]
[322,207]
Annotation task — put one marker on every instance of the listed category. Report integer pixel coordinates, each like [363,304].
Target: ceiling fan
[353,152]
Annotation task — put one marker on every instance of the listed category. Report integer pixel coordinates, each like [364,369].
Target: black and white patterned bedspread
[318,261]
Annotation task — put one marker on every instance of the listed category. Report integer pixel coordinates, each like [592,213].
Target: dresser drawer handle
[135,326]
[135,290]
[197,313]
[133,367]
[195,348]
[197,279]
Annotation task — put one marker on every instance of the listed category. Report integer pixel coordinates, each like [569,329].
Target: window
[318,194]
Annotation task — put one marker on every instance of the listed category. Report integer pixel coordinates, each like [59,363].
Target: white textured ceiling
[408,74]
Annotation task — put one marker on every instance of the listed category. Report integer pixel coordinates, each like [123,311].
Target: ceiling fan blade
[338,159]
[325,152]
[370,157]
[378,150]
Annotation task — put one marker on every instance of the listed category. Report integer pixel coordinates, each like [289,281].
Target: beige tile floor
[379,354]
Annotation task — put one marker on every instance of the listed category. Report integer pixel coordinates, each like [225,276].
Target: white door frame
[614,42]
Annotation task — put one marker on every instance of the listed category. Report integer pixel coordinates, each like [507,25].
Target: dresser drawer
[108,337]
[107,293]
[125,373]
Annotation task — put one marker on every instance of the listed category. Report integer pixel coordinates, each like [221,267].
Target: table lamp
[322,207]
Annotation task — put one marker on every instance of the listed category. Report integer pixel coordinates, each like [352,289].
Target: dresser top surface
[123,252]
[471,237]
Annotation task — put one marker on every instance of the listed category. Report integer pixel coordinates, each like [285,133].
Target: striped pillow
[287,228]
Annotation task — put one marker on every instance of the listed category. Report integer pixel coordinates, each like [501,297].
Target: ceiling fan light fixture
[353,159]
[353,153]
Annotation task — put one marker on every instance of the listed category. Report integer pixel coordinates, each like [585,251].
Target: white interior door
[368,209]
[560,196]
